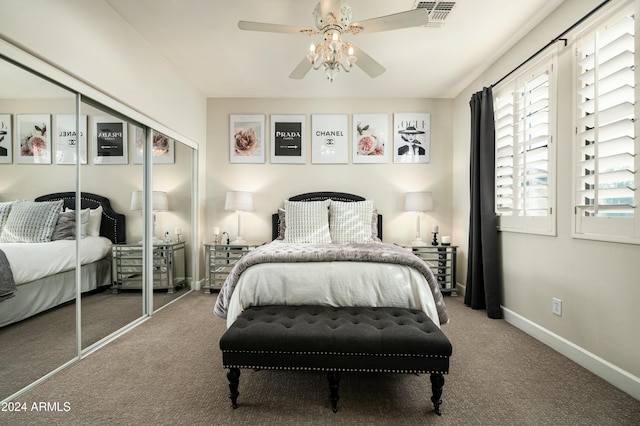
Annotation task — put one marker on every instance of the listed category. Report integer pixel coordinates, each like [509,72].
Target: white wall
[386,184]
[89,40]
[597,281]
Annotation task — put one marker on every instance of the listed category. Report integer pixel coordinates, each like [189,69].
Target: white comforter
[347,274]
[32,261]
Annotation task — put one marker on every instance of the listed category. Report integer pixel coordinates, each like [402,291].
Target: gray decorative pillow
[307,222]
[65,227]
[350,222]
[282,223]
[31,222]
[5,208]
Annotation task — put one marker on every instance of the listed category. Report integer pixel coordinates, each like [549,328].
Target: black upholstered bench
[319,338]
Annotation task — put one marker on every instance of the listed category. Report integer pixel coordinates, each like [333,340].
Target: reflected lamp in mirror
[239,201]
[418,202]
[159,203]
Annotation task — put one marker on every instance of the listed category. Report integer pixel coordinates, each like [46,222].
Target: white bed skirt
[38,296]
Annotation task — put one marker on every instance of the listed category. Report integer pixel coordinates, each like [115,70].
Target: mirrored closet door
[38,312]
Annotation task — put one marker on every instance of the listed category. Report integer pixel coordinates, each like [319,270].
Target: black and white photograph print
[246,138]
[6,139]
[370,134]
[67,139]
[109,140]
[412,137]
[288,139]
[33,139]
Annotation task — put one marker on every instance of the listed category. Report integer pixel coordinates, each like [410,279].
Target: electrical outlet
[556,307]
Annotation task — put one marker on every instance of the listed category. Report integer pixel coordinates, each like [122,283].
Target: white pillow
[31,221]
[5,208]
[90,221]
[307,221]
[350,222]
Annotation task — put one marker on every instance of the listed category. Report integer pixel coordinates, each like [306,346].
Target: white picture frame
[33,139]
[6,139]
[66,139]
[163,147]
[247,142]
[109,140]
[370,138]
[412,137]
[330,138]
[288,139]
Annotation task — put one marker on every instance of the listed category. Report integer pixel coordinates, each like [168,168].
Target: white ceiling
[202,40]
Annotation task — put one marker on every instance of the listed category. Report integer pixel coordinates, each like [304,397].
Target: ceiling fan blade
[330,6]
[301,70]
[274,28]
[410,18]
[367,63]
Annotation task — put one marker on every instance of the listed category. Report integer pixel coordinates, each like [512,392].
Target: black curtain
[483,266]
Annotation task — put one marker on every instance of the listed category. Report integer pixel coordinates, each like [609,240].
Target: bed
[336,238]
[328,295]
[39,273]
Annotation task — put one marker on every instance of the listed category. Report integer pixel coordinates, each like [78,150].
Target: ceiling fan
[333,19]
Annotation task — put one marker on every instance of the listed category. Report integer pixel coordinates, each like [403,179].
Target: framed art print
[6,139]
[67,139]
[109,140]
[329,139]
[370,134]
[163,148]
[246,138]
[33,139]
[411,138]
[288,139]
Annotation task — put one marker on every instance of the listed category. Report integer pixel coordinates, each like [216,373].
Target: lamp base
[418,243]
[238,242]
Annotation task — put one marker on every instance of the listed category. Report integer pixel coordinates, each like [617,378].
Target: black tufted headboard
[320,196]
[112,226]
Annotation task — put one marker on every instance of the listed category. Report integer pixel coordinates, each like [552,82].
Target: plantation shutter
[605,128]
[525,126]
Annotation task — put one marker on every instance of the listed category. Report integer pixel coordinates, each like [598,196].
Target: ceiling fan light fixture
[332,54]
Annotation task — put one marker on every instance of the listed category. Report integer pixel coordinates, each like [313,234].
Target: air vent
[438,11]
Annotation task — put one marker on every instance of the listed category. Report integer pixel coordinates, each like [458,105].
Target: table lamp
[159,203]
[239,201]
[418,202]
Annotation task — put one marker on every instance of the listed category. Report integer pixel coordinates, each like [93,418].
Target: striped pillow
[350,222]
[31,222]
[307,222]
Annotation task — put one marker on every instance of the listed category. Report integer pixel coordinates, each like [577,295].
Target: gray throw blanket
[280,252]
[7,284]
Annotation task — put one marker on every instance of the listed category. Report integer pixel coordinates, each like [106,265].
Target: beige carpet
[168,372]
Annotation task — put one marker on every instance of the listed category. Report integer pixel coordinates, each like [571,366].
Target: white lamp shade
[418,202]
[239,201]
[160,201]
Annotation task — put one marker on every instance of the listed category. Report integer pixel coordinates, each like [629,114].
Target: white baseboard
[618,377]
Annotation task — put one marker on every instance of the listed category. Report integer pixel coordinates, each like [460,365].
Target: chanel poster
[288,139]
[67,139]
[329,138]
[109,141]
[412,137]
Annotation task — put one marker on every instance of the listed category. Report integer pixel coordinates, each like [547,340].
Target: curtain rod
[555,40]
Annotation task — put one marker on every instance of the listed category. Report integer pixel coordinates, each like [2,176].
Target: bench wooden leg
[334,383]
[233,375]
[437,383]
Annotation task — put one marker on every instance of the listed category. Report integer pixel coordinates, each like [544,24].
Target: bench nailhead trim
[361,370]
[333,353]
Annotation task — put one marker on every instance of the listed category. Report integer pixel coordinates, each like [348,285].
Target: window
[525,111]
[605,141]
